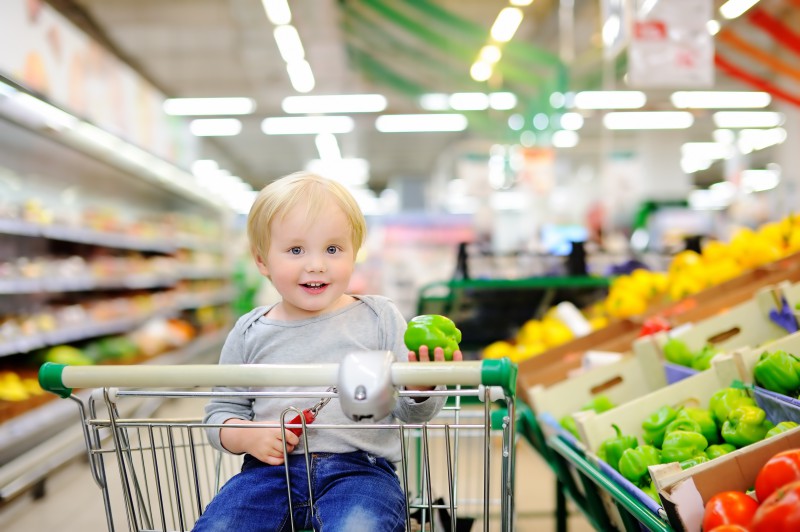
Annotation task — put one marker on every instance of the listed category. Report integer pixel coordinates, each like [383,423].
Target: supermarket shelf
[88,283]
[36,443]
[85,236]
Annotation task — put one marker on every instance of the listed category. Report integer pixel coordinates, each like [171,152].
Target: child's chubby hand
[424,356]
[265,444]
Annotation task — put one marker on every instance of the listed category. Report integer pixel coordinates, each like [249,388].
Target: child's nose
[316,263]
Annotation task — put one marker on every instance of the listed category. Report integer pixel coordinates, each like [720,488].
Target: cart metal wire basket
[160,473]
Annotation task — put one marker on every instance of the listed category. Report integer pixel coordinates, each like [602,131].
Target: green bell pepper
[651,491]
[703,417]
[600,404]
[634,462]
[611,449]
[693,461]
[778,371]
[715,451]
[783,426]
[687,424]
[746,425]
[677,352]
[702,360]
[655,425]
[434,331]
[568,423]
[725,400]
[681,445]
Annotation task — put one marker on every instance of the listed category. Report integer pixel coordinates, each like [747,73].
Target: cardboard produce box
[685,493]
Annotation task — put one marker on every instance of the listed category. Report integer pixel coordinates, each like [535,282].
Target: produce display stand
[487,310]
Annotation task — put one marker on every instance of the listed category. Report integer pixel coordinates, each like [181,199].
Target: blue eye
[295,250]
[332,249]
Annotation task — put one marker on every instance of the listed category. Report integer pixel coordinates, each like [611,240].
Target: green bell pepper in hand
[746,425]
[611,449]
[434,331]
[703,417]
[725,400]
[715,451]
[634,462]
[680,445]
[655,425]
[781,427]
[778,371]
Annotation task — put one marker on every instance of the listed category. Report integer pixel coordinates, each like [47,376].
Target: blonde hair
[279,197]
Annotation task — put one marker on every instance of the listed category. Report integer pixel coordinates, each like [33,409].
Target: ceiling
[204,48]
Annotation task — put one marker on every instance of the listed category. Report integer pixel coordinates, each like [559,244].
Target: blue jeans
[352,492]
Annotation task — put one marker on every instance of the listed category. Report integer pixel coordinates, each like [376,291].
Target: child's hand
[424,356]
[265,444]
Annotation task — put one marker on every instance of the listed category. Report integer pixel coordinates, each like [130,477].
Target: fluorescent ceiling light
[208,106]
[759,180]
[565,139]
[300,76]
[306,125]
[720,99]
[468,101]
[734,8]
[421,123]
[328,147]
[434,102]
[289,44]
[649,120]
[506,24]
[572,121]
[706,150]
[502,101]
[480,71]
[745,119]
[278,11]
[713,27]
[350,172]
[609,100]
[334,103]
[215,127]
[751,140]
[490,53]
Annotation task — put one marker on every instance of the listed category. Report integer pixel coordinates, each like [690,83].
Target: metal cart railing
[160,473]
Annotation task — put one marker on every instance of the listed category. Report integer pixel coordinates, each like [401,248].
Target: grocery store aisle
[73,502]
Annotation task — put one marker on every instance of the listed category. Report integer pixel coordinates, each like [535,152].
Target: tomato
[780,512]
[779,470]
[654,325]
[729,528]
[729,508]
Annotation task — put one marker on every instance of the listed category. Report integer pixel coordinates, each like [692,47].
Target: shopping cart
[160,473]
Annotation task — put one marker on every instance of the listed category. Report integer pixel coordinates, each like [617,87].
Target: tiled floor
[74,503]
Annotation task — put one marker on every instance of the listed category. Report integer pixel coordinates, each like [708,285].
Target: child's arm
[265,444]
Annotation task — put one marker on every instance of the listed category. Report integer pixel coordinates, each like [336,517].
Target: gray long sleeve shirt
[370,323]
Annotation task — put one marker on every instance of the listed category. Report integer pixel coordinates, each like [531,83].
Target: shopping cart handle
[61,379]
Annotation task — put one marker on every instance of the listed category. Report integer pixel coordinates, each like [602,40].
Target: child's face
[310,262]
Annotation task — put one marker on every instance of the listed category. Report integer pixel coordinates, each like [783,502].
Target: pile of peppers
[689,435]
[779,372]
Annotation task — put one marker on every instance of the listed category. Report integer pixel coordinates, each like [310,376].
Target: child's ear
[262,266]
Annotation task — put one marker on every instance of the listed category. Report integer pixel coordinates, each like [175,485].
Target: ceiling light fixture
[565,139]
[328,147]
[502,101]
[610,100]
[334,103]
[649,120]
[434,101]
[469,101]
[747,119]
[720,99]
[208,106]
[735,8]
[300,76]
[289,44]
[306,125]
[215,127]
[278,11]
[421,123]
[506,24]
